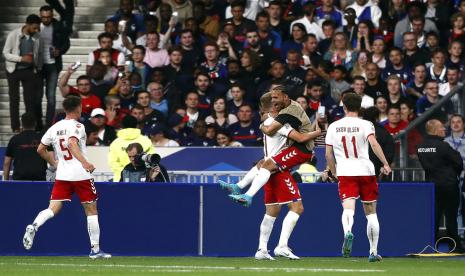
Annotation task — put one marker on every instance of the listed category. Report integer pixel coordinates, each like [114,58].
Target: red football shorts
[365,187]
[281,188]
[85,189]
[290,157]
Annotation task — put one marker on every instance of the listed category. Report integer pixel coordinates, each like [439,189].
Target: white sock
[288,226]
[42,217]
[347,220]
[265,231]
[373,232]
[248,178]
[259,181]
[94,232]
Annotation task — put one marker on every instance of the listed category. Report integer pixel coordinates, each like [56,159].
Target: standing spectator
[394,123]
[121,41]
[363,38]
[22,62]
[407,111]
[430,98]
[182,7]
[241,24]
[220,115]
[367,10]
[105,41]
[237,98]
[246,131]
[134,22]
[191,53]
[267,37]
[21,152]
[327,11]
[154,56]
[117,157]
[89,100]
[105,134]
[66,13]
[208,25]
[277,23]
[311,26]
[456,140]
[316,98]
[443,166]
[54,42]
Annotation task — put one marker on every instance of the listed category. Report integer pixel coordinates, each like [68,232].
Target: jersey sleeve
[285,130]
[369,129]
[47,138]
[78,131]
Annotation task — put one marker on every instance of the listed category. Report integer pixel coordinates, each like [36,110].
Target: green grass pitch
[228,266]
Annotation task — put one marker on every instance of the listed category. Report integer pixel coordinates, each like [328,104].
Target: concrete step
[77,26]
[80,3]
[84,42]
[65,65]
[81,50]
[18,18]
[88,34]
[78,11]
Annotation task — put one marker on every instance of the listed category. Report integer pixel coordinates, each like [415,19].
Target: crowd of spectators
[191,71]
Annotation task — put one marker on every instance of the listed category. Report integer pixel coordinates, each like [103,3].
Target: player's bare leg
[44,215]
[347,220]
[372,230]
[295,210]
[235,189]
[266,227]
[94,231]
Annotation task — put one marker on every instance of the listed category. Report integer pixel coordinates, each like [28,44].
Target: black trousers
[447,204]
[31,94]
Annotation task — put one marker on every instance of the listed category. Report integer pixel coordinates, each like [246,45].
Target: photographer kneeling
[143,167]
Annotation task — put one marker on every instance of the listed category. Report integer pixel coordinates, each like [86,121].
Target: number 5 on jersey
[69,156]
[354,144]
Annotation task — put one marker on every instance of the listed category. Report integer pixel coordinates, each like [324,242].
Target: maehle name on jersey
[348,129]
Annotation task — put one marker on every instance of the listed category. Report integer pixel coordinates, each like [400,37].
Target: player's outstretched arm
[76,152]
[271,129]
[379,153]
[330,162]
[43,152]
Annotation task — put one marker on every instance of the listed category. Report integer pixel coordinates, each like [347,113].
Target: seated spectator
[152,116]
[211,133]
[225,47]
[21,153]
[191,54]
[169,24]
[208,25]
[458,28]
[158,137]
[375,86]
[135,80]
[412,53]
[267,37]
[176,131]
[105,41]
[151,25]
[91,134]
[456,59]
[204,87]
[213,66]
[266,54]
[117,156]
[192,111]
[407,111]
[311,26]
[220,115]
[105,133]
[113,111]
[197,137]
[394,86]
[123,91]
[294,74]
[396,66]
[377,54]
[329,28]
[367,10]
[253,72]
[89,100]
[157,100]
[246,131]
[381,103]
[237,99]
[111,73]
[137,111]
[298,33]
[310,55]
[438,70]
[154,56]
[240,23]
[431,41]
[134,22]
[450,85]
[394,123]
[224,139]
[416,86]
[358,86]
[277,22]
[337,82]
[177,74]
[363,36]
[328,11]
[340,52]
[360,65]
[138,65]
[304,104]
[99,86]
[316,98]
[430,98]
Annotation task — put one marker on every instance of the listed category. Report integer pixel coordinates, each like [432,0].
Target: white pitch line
[186,268]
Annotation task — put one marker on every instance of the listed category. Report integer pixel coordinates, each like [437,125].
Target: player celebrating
[290,112]
[73,174]
[348,139]
[280,189]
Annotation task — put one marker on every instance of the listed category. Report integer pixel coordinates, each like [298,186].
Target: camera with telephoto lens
[150,160]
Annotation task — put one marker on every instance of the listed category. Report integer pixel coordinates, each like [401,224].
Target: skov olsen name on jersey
[348,129]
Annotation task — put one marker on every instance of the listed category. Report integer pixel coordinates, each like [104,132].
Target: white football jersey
[349,139]
[69,168]
[273,144]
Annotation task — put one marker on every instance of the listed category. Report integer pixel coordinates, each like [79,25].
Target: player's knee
[297,208]
[90,209]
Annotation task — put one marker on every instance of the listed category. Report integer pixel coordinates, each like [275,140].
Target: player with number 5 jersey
[347,143]
[73,175]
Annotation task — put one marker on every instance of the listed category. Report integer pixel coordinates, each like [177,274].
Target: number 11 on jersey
[354,144]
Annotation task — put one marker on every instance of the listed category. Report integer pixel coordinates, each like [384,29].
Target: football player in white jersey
[73,175]
[347,140]
[280,189]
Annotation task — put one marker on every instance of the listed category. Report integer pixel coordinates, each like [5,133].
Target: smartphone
[122,26]
[321,111]
[76,65]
